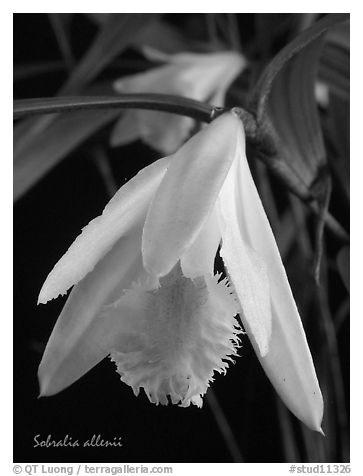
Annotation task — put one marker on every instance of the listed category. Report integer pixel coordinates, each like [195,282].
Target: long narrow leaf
[27,70]
[166,38]
[343,263]
[334,69]
[48,149]
[293,112]
[116,34]
[340,136]
[60,25]
[284,97]
[334,66]
[263,88]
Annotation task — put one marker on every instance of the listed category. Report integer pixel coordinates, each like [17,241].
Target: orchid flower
[203,77]
[145,290]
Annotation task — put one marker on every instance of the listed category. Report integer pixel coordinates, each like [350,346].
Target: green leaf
[334,67]
[293,112]
[46,150]
[339,116]
[60,23]
[343,262]
[334,70]
[26,70]
[117,33]
[166,38]
[263,88]
[98,18]
[284,98]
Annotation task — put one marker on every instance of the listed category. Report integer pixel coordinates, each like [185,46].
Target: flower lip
[188,332]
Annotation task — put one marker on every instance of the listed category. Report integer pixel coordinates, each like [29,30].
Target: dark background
[46,221]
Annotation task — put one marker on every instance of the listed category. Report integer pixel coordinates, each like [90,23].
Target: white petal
[126,210]
[227,68]
[163,79]
[285,357]
[289,365]
[210,75]
[163,131]
[187,194]
[245,266]
[199,259]
[126,129]
[153,54]
[81,338]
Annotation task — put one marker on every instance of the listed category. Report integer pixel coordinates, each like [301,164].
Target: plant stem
[332,357]
[103,165]
[211,28]
[289,442]
[158,102]
[60,33]
[234,31]
[224,427]
[319,233]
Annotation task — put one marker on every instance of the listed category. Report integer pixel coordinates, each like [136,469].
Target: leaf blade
[116,34]
[284,101]
[293,112]
[261,92]
[45,151]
